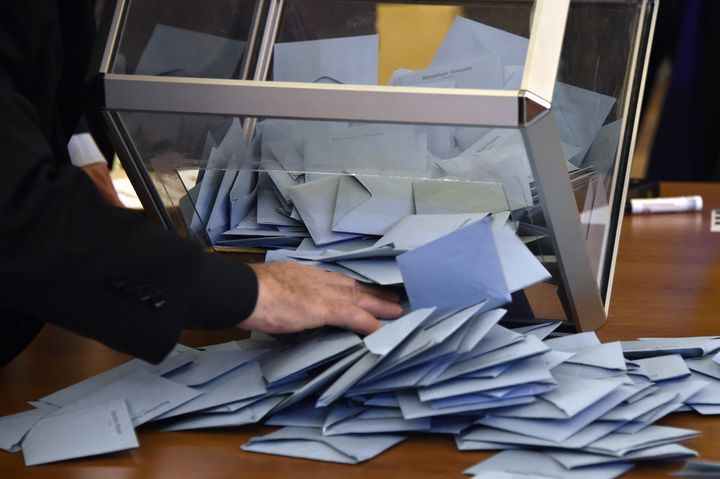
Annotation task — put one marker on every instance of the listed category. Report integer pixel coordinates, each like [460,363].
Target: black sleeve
[68,258]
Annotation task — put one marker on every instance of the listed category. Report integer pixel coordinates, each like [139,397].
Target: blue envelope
[352,60]
[310,443]
[316,203]
[173,51]
[468,39]
[455,271]
[100,429]
[371,204]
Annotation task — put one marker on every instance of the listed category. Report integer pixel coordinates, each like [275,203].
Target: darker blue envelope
[455,271]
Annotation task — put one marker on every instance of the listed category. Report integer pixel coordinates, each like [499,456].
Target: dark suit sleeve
[68,258]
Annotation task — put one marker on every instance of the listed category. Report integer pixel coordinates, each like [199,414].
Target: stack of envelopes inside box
[314,185]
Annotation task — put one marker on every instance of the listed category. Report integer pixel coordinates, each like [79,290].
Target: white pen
[665,205]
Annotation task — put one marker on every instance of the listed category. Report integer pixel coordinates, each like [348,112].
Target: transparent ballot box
[343,132]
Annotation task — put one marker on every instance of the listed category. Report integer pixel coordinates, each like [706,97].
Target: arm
[69,258]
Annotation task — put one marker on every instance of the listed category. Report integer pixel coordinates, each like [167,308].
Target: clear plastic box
[224,109]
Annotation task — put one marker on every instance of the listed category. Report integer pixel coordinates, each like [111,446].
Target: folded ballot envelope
[309,443]
[372,204]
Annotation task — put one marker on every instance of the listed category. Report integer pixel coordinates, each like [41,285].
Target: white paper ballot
[96,430]
[349,60]
[14,427]
[308,443]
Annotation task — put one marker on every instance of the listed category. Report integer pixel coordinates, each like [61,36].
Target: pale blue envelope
[371,205]
[308,354]
[511,464]
[350,60]
[309,443]
[315,201]
[98,429]
[14,427]
[458,270]
[173,51]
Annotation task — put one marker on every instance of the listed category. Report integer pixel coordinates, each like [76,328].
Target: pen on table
[675,204]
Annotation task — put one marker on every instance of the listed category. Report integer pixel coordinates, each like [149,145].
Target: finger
[382,293]
[354,318]
[377,307]
[337,279]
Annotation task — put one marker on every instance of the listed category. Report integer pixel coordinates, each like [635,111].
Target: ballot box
[346,134]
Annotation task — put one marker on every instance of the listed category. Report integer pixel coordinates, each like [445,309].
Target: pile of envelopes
[567,403]
[345,185]
[451,214]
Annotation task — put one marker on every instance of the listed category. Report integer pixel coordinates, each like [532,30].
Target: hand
[293,297]
[100,175]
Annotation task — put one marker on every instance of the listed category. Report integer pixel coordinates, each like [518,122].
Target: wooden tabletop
[667,283]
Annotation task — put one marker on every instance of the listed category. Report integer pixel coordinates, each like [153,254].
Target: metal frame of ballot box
[527,109]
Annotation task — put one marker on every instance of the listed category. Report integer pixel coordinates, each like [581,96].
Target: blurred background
[678,138]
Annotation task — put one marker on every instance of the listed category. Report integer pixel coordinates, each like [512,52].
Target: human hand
[293,297]
[100,175]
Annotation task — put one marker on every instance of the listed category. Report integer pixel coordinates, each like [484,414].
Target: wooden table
[667,282]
